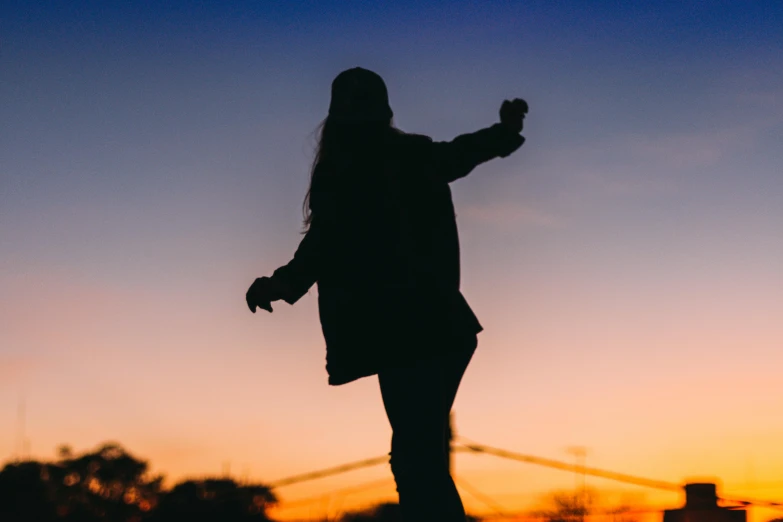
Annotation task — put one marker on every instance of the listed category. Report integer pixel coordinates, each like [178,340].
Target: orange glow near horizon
[658,428]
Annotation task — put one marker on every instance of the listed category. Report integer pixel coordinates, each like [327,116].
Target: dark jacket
[384,250]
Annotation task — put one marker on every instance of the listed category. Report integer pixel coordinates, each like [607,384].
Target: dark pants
[418,401]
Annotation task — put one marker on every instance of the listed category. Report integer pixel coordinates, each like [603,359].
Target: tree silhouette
[215,500]
[26,493]
[110,485]
[384,512]
[568,506]
[106,484]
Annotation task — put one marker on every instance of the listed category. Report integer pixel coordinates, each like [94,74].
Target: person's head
[359,111]
[359,96]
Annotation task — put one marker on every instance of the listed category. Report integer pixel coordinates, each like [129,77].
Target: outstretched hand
[512,113]
[262,292]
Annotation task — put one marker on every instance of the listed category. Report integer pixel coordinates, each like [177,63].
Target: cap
[359,95]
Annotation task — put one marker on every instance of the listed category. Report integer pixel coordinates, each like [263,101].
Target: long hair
[338,143]
[359,118]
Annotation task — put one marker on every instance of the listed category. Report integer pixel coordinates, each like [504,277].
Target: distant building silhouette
[701,505]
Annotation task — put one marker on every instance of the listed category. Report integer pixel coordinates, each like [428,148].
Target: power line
[470,446]
[623,510]
[564,466]
[336,470]
[344,491]
[611,475]
[753,502]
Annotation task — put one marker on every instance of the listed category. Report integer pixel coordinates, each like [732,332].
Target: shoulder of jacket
[415,143]
[417,138]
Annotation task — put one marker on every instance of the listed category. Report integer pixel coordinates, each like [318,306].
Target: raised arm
[457,158]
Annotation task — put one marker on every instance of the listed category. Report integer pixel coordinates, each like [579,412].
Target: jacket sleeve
[304,269]
[299,274]
[457,158]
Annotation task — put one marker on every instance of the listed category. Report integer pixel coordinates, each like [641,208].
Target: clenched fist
[512,113]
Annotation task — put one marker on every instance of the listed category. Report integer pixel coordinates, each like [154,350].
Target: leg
[418,401]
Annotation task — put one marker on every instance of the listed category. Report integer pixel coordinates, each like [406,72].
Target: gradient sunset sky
[626,263]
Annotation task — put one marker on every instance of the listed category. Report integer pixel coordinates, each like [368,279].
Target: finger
[250,298]
[266,306]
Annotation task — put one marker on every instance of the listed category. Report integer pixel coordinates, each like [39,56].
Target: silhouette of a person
[381,243]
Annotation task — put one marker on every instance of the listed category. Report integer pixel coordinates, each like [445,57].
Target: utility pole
[21,441]
[450,433]
[579,453]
